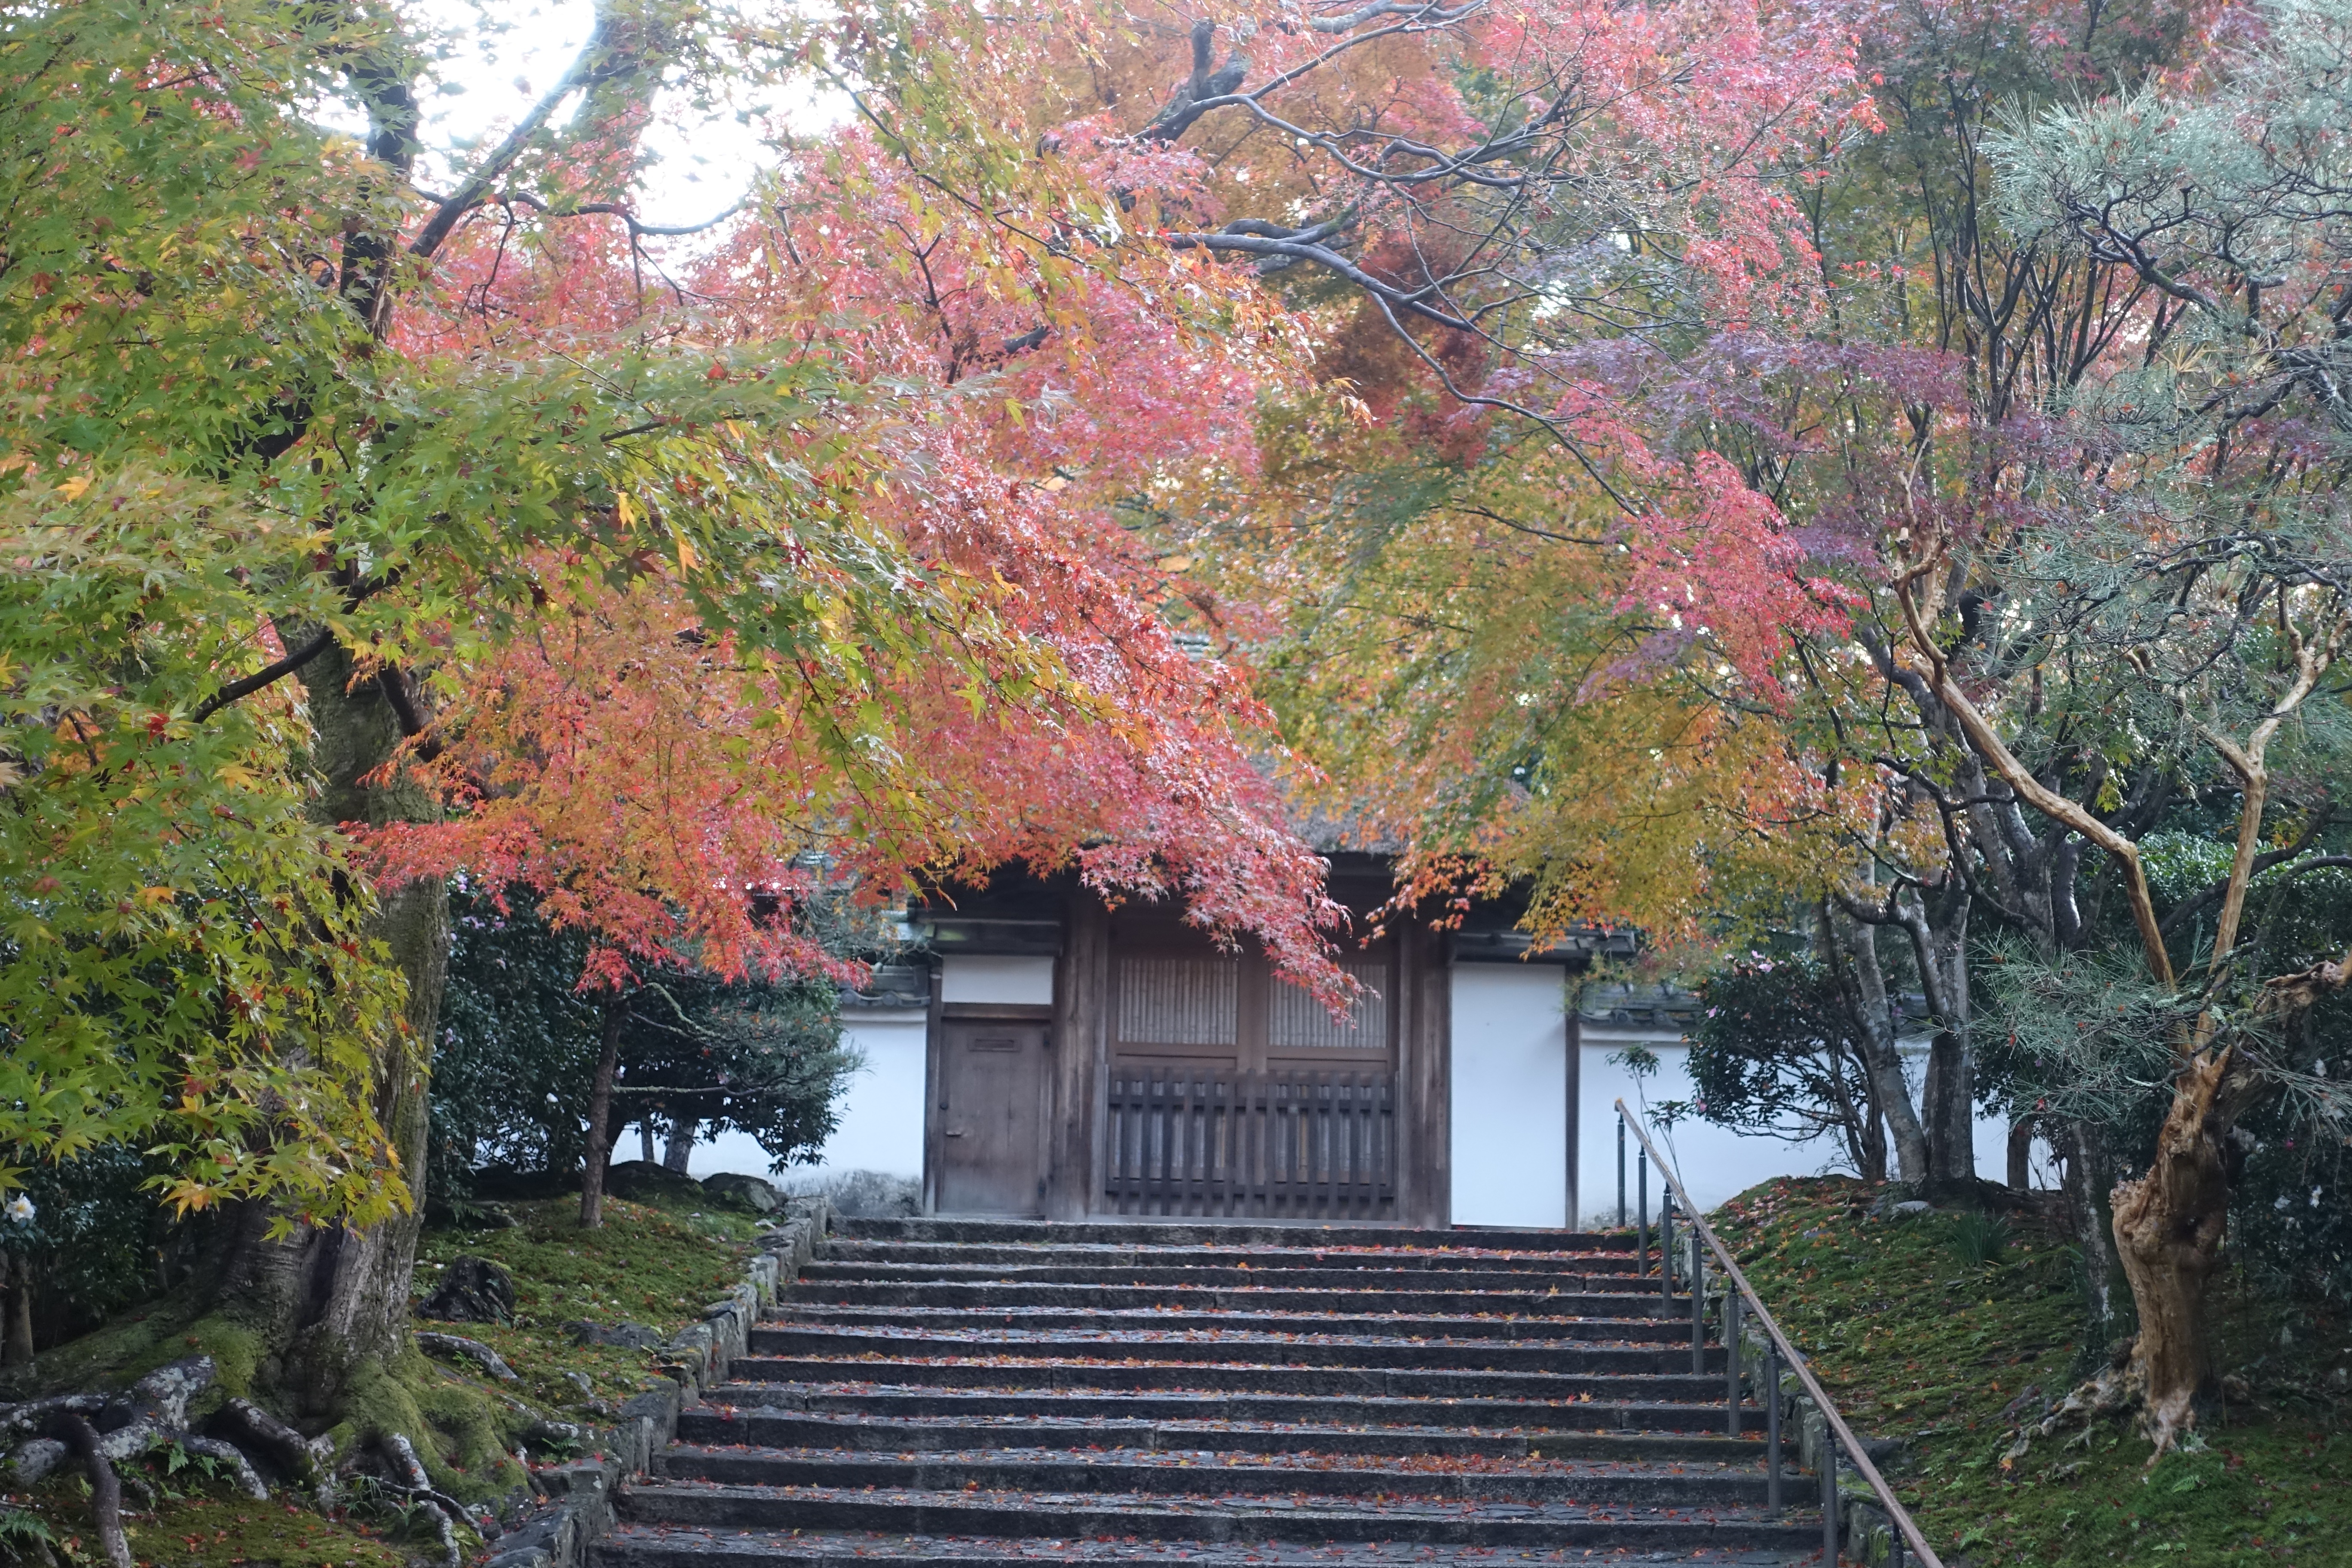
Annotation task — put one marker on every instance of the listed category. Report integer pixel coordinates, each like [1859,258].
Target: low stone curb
[581,1494]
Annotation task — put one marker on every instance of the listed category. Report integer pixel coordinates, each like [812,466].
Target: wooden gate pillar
[1424,1078]
[1081,1050]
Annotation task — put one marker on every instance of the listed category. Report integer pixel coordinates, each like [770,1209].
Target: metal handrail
[1832,1420]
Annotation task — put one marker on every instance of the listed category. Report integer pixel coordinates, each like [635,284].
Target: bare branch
[267,675]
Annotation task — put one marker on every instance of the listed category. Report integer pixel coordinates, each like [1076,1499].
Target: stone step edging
[580,1493]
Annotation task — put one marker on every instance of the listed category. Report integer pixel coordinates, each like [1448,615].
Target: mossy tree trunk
[329,1300]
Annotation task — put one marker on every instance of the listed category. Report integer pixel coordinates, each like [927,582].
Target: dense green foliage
[1773,1051]
[519,1042]
[178,965]
[94,1241]
[176,968]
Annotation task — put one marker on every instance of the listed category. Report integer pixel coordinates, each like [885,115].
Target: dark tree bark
[18,1277]
[1850,946]
[600,1117]
[2087,1169]
[682,1130]
[2021,1154]
[328,1298]
[1938,922]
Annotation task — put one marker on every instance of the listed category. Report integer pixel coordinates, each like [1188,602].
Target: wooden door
[992,1116]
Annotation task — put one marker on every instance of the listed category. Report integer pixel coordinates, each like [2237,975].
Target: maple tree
[648,600]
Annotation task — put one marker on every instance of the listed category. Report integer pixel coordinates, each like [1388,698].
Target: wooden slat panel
[1327,1142]
[1283,1143]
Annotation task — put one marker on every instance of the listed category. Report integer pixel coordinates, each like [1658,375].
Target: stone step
[886,1402]
[1632,1540]
[1272,1297]
[1198,1232]
[1674,1328]
[1163,1473]
[1143,1516]
[1471,1259]
[984,1393]
[1376,1382]
[773,1429]
[1238,1345]
[1365,1276]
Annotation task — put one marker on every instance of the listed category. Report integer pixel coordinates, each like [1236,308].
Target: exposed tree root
[249,1480]
[439,1507]
[105,1488]
[104,1430]
[2116,1390]
[302,1459]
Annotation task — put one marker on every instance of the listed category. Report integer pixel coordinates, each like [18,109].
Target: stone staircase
[980,1393]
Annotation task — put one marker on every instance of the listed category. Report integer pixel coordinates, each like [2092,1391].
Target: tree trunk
[18,1348]
[2168,1226]
[1852,948]
[1939,939]
[327,1300]
[646,1150]
[1951,1123]
[1860,1125]
[681,1144]
[2083,1165]
[600,1116]
[2020,1155]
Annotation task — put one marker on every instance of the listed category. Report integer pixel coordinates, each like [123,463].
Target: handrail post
[1621,1170]
[1771,1392]
[1642,1232]
[1666,1250]
[1698,1306]
[1829,1498]
[1731,1354]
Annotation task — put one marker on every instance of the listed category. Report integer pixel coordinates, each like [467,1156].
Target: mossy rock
[748,1193]
[643,1181]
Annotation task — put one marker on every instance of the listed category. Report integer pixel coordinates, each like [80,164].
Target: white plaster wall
[881,1126]
[1714,1162]
[1510,1095]
[1015,982]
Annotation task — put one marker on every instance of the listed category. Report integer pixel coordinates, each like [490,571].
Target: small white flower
[20,1209]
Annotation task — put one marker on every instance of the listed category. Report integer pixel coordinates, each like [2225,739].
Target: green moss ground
[196,1522]
[658,1263]
[1915,1342]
